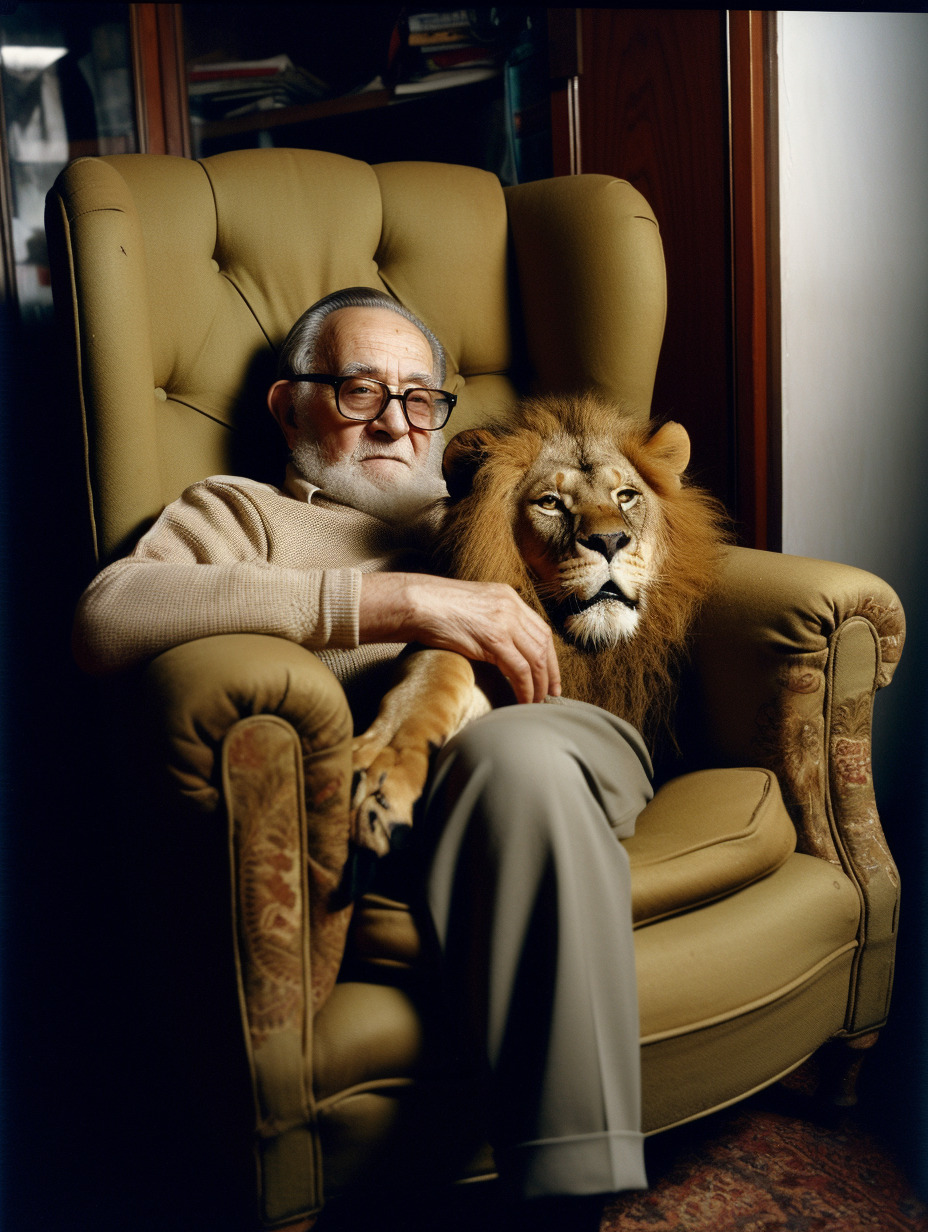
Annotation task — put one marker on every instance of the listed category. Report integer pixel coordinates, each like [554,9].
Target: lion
[586,513]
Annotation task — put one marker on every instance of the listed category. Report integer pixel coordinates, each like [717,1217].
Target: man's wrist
[386,607]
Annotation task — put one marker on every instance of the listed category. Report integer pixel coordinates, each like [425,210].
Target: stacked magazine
[220,90]
[445,48]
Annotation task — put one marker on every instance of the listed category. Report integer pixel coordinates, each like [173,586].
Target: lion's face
[585,512]
[588,527]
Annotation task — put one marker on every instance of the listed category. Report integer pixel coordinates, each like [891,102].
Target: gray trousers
[529,892]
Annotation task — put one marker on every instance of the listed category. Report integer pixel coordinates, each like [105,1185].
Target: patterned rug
[776,1162]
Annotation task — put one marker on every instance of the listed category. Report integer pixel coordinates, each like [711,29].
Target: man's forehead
[382,322]
[356,334]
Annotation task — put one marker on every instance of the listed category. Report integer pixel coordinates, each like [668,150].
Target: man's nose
[392,421]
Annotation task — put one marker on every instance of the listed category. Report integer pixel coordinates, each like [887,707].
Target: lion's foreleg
[434,697]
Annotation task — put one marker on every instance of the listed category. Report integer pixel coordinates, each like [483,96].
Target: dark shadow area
[60,1001]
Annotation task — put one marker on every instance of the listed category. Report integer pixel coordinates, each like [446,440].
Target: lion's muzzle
[607,545]
[595,620]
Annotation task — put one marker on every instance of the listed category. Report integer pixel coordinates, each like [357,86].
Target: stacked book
[237,87]
[444,48]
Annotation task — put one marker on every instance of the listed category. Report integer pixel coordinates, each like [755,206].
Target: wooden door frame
[753,225]
[565,63]
[160,77]
[755,273]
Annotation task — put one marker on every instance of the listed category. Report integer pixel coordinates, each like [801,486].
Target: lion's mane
[637,679]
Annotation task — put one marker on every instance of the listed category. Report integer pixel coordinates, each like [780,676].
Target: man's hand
[487,622]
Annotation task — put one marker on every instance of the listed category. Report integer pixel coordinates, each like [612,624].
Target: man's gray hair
[299,352]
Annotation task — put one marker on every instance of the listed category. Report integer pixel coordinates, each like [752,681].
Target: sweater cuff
[339,603]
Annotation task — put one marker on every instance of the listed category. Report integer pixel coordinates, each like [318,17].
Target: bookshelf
[376,82]
[301,113]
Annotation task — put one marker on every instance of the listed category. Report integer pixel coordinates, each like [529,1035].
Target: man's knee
[508,740]
[533,737]
[539,760]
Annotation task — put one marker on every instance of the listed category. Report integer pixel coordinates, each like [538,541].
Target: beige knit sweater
[235,556]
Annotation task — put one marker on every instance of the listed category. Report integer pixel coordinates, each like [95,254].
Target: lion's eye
[550,503]
[625,498]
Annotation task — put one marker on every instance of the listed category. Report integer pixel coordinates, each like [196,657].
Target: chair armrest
[788,654]
[260,725]
[256,734]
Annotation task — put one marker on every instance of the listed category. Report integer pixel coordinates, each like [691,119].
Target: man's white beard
[405,500]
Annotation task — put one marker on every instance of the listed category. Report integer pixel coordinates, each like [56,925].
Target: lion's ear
[670,445]
[464,455]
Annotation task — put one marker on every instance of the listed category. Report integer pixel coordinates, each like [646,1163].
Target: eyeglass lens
[365,399]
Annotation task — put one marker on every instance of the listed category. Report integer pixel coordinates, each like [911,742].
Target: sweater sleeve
[201,570]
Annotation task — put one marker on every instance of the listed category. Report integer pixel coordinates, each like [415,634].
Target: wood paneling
[160,75]
[755,274]
[653,110]
[674,101]
[565,43]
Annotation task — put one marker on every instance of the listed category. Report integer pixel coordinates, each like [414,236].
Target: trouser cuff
[585,1164]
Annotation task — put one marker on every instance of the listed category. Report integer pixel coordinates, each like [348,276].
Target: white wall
[853,95]
[854,249]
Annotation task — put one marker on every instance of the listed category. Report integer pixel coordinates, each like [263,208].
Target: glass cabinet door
[67,90]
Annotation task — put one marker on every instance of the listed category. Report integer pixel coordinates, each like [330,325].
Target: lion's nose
[606,545]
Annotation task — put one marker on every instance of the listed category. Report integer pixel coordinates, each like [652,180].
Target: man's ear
[670,445]
[280,404]
[464,455]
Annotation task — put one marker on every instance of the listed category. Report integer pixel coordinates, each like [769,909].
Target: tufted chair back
[207,265]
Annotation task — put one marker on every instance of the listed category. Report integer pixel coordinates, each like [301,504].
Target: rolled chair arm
[260,725]
[256,731]
[788,656]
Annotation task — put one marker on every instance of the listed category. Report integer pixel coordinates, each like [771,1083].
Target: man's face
[378,343]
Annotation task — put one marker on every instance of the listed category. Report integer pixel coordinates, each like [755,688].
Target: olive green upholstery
[765,898]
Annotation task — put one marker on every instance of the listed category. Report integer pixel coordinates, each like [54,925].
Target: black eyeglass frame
[318,378]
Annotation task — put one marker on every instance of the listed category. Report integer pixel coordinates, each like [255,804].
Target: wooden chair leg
[844,1062]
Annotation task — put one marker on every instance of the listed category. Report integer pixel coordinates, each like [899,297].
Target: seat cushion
[383,941]
[703,836]
[706,835]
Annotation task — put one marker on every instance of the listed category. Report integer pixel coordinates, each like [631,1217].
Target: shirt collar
[298,487]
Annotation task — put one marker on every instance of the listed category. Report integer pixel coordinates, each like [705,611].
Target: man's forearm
[135,608]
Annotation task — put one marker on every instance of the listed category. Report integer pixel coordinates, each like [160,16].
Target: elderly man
[526,882]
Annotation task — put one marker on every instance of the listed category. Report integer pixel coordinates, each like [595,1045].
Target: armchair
[765,898]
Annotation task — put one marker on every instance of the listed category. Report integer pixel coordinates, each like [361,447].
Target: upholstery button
[215,264]
[161,394]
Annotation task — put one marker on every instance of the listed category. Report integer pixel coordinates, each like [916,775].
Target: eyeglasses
[361,398]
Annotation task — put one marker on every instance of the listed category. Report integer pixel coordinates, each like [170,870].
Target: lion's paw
[385,790]
[375,822]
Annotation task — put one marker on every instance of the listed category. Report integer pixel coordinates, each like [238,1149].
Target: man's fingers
[530,663]
[520,644]
[554,671]
[521,681]
[546,671]
[484,621]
